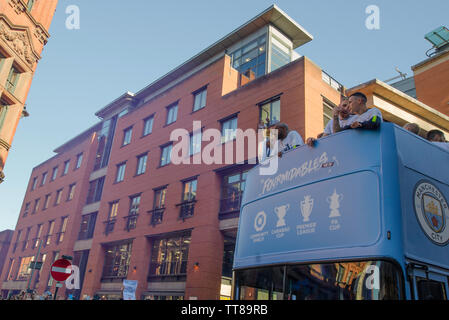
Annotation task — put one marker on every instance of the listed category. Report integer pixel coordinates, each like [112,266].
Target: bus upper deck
[363,210]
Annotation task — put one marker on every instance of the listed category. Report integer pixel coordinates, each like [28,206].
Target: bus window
[261,284]
[430,289]
[364,280]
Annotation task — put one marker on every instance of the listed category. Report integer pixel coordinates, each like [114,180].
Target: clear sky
[125,45]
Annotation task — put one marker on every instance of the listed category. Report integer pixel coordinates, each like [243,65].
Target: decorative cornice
[18,6]
[40,33]
[19,41]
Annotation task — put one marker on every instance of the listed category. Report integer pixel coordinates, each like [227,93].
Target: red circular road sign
[60,269]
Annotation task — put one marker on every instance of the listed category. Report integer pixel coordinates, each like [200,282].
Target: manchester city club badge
[432,212]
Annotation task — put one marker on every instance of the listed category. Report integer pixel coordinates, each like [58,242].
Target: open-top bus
[362,215]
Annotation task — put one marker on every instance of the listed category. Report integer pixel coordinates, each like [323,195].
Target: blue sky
[125,45]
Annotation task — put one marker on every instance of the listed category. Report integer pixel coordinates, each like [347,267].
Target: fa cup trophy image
[334,204]
[306,208]
[281,211]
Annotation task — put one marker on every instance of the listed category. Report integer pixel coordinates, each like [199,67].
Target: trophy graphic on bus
[281,211]
[334,204]
[306,208]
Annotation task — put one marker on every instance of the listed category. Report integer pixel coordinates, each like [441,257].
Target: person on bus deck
[437,137]
[342,113]
[412,127]
[364,118]
[287,139]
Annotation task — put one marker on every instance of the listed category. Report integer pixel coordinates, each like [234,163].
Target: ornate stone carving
[19,42]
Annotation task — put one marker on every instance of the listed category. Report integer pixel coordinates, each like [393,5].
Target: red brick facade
[124,252]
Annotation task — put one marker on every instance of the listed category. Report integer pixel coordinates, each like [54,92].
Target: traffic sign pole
[35,260]
[56,290]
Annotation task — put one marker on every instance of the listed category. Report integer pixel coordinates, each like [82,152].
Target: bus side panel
[294,225]
[424,194]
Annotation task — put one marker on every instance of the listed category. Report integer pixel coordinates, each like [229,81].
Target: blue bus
[361,216]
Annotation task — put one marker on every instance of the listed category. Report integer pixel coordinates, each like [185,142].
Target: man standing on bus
[343,116]
[364,118]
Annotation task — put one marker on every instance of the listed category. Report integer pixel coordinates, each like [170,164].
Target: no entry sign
[60,269]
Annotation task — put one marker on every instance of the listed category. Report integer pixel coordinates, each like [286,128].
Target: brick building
[5,241]
[24,28]
[112,198]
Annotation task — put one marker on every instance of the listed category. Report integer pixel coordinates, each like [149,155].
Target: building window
[131,219]
[95,190]
[105,139]
[127,134]
[27,209]
[148,125]
[33,185]
[87,226]
[195,143]
[169,256]
[66,167]
[4,107]
[10,275]
[250,59]
[30,5]
[228,129]
[232,189]
[36,205]
[13,78]
[44,178]
[64,221]
[47,201]
[120,172]
[165,154]
[71,191]
[79,160]
[158,205]
[327,113]
[270,112]
[172,113]
[58,197]
[116,262]
[38,236]
[19,234]
[51,226]
[141,164]
[25,241]
[112,217]
[54,173]
[188,198]
[24,270]
[199,99]
[280,54]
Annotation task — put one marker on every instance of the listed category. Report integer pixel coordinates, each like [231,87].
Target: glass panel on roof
[438,37]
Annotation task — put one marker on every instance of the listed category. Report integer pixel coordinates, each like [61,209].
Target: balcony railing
[109,226]
[186,209]
[156,215]
[230,206]
[131,221]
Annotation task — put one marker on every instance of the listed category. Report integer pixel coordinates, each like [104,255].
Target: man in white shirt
[342,113]
[287,140]
[364,118]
